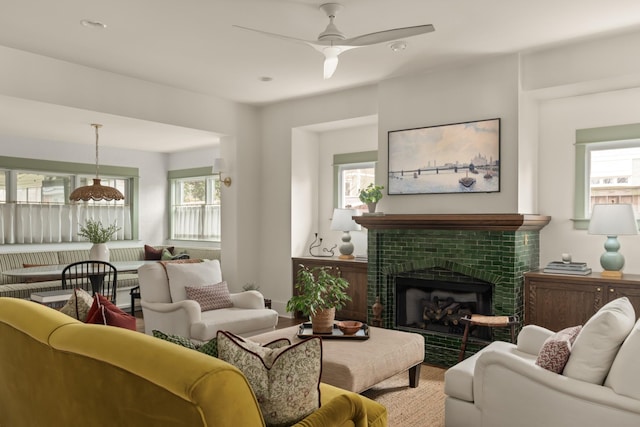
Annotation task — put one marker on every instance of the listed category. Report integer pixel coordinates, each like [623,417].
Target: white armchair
[502,386]
[165,307]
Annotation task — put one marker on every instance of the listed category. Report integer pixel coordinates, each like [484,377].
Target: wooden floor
[285,322]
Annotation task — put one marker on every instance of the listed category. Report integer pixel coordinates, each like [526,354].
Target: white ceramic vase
[99,252]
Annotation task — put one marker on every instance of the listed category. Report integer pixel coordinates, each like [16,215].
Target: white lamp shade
[613,220]
[342,220]
[219,165]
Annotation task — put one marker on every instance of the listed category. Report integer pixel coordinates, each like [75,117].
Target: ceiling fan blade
[280,36]
[387,35]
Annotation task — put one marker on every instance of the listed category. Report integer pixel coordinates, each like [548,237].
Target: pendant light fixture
[96,191]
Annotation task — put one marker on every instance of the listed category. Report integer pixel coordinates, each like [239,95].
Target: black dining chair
[94,276]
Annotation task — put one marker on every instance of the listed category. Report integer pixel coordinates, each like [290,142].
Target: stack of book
[575,268]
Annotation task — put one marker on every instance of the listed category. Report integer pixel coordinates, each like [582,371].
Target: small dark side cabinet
[556,301]
[354,272]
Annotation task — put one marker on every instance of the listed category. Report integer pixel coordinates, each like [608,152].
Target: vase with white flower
[99,235]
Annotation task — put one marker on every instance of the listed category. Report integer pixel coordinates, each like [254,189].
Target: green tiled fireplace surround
[497,249]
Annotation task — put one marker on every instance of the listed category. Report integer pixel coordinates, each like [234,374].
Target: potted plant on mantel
[99,235]
[319,294]
[371,195]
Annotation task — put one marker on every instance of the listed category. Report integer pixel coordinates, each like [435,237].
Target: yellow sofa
[56,371]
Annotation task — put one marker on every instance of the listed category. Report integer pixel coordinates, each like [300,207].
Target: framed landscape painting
[451,158]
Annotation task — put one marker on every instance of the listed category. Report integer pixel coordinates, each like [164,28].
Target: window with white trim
[35,207]
[195,208]
[352,173]
[607,169]
[351,179]
[614,173]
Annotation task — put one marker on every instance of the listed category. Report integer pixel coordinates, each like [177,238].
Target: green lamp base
[612,261]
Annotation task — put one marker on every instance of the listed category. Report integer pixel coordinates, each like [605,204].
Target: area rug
[422,406]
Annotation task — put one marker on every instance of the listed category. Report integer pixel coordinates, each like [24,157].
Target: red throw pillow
[153,254]
[104,312]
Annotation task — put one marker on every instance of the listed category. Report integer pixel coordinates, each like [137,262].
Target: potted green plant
[99,235]
[371,195]
[318,294]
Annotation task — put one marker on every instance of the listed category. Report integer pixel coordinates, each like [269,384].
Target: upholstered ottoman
[357,365]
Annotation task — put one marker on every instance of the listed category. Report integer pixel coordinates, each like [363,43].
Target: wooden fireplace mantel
[486,222]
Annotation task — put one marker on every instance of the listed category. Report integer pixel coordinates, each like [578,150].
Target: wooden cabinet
[557,301]
[354,272]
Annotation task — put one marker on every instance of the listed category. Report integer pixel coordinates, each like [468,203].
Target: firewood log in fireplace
[454,318]
[446,311]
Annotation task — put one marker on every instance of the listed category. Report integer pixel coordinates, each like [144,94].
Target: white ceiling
[191,44]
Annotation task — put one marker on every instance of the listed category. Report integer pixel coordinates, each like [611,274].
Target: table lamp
[612,220]
[343,221]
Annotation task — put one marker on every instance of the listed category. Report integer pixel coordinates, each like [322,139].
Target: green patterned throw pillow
[210,347]
[176,339]
[285,380]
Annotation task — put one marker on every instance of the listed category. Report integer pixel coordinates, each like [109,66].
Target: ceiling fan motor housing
[331,32]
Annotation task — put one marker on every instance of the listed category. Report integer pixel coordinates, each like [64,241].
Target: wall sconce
[219,166]
[612,220]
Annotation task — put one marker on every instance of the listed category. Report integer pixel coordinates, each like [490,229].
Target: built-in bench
[19,287]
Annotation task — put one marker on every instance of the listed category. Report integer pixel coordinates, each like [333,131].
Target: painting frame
[452,158]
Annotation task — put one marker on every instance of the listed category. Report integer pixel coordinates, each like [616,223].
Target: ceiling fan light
[330,65]
[330,61]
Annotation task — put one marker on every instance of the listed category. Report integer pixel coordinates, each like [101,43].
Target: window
[611,171]
[3,186]
[353,172]
[195,207]
[607,169]
[35,187]
[35,206]
[352,178]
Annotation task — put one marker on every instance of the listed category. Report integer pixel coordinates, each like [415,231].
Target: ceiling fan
[332,42]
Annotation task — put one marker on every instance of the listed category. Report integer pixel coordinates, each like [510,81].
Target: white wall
[528,164]
[559,120]
[304,190]
[39,78]
[201,157]
[474,92]
[593,83]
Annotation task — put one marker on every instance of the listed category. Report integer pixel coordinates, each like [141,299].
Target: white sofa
[165,312]
[599,386]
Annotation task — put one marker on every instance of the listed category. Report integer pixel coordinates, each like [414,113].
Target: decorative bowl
[349,327]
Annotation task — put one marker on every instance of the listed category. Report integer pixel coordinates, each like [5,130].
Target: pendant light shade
[96,191]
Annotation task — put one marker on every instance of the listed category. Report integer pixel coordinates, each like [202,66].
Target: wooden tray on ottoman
[305,331]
